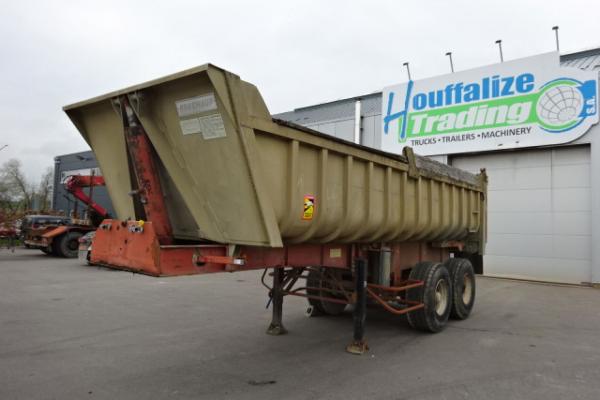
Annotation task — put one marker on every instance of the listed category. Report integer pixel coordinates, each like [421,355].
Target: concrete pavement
[69,331]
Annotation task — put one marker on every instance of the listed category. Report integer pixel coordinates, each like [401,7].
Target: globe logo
[559,106]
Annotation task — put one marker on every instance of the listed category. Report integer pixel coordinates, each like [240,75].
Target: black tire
[462,276]
[55,248]
[67,245]
[321,307]
[435,294]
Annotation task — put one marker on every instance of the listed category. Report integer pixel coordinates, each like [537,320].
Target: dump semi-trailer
[203,179]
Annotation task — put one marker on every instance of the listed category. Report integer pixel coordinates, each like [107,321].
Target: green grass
[5,242]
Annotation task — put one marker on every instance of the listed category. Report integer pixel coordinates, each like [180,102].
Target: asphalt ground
[69,331]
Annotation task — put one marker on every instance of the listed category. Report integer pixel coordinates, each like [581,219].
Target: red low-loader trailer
[203,180]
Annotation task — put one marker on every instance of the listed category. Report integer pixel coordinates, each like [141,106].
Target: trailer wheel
[435,294]
[319,288]
[462,276]
[67,245]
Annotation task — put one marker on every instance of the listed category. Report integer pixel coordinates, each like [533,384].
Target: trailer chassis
[353,293]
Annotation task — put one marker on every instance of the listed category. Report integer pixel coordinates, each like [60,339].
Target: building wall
[539,212]
[337,118]
[76,164]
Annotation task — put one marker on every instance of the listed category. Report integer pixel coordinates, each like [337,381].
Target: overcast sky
[298,53]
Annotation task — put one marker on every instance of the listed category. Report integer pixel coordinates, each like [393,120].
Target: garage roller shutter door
[539,213]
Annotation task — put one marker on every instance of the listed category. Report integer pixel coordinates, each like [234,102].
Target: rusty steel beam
[143,158]
[401,288]
[391,309]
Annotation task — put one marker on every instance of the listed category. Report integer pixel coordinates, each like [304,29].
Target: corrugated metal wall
[539,213]
[337,118]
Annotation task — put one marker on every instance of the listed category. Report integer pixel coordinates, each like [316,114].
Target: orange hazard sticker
[309,207]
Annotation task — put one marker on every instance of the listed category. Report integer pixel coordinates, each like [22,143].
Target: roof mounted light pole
[555,29]
[449,54]
[499,43]
[407,70]
[357,122]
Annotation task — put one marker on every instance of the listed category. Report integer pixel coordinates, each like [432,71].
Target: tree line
[19,195]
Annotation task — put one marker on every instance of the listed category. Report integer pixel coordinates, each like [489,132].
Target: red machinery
[8,230]
[63,240]
[75,184]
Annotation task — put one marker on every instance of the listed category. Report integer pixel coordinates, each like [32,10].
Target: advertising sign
[521,103]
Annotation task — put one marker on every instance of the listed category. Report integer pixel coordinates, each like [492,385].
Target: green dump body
[232,174]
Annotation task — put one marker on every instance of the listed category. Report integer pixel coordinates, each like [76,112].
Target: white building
[544,184]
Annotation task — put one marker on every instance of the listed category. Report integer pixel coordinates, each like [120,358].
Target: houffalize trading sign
[521,103]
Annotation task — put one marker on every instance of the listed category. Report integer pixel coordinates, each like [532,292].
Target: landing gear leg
[276,327]
[359,345]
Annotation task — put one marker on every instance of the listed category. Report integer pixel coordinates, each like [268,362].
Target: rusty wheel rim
[467,292]
[441,297]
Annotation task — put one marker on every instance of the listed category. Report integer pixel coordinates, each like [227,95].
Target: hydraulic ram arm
[143,159]
[75,184]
